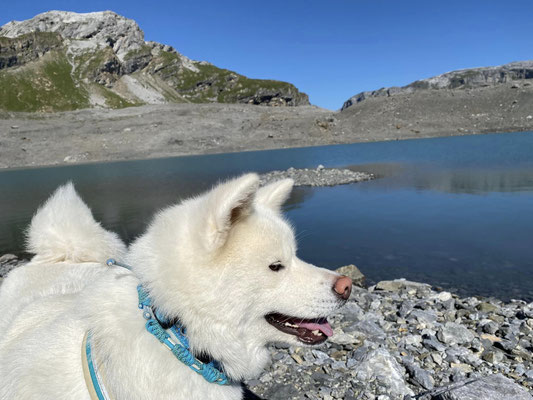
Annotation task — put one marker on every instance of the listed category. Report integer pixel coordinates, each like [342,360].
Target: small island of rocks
[320,176]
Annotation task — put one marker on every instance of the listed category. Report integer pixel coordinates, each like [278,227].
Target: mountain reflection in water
[453,180]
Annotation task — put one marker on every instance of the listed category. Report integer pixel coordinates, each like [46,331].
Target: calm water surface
[456,212]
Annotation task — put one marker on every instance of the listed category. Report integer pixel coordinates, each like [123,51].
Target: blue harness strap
[180,348]
[92,377]
[211,371]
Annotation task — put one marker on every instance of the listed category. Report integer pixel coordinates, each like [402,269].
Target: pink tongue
[325,328]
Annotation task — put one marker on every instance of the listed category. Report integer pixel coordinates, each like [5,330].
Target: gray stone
[429,316]
[320,377]
[506,345]
[486,307]
[338,365]
[520,369]
[433,344]
[402,285]
[281,391]
[453,333]
[351,362]
[476,345]
[490,327]
[319,355]
[360,353]
[368,328]
[421,377]
[343,338]
[351,271]
[405,308]
[352,311]
[457,353]
[529,374]
[492,387]
[492,356]
[382,366]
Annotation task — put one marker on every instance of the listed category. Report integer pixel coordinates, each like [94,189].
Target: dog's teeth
[316,332]
[291,325]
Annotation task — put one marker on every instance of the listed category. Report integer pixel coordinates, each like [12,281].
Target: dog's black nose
[343,287]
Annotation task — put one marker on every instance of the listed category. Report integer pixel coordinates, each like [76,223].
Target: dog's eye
[276,266]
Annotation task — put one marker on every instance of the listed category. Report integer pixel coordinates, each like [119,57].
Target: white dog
[222,267]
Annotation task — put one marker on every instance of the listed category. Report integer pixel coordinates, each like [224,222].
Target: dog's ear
[227,203]
[275,194]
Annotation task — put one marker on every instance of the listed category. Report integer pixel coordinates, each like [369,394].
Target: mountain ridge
[469,78]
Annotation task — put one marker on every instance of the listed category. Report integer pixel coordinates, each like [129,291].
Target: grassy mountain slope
[101,60]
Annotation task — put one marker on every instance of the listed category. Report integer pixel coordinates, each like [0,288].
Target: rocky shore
[320,176]
[405,340]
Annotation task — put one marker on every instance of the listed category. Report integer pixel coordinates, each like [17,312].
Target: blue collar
[174,338]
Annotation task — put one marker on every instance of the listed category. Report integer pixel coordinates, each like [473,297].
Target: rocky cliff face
[63,60]
[461,79]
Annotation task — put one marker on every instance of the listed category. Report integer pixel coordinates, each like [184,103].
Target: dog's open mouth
[309,331]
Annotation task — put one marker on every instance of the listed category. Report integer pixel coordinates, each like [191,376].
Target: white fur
[205,260]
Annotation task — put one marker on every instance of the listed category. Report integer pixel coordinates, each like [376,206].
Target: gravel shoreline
[169,130]
[404,340]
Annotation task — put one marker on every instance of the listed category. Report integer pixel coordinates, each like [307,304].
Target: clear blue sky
[329,49]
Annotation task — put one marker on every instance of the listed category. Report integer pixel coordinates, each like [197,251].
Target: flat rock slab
[491,387]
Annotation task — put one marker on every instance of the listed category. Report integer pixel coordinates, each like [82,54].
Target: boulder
[401,285]
[491,387]
[452,333]
[383,367]
[352,272]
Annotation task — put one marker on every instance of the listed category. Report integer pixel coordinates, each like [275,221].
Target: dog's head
[225,263]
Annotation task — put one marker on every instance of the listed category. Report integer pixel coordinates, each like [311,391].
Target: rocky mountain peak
[101,29]
[61,60]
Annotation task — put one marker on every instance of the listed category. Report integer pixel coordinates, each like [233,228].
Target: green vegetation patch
[88,64]
[225,86]
[144,50]
[46,86]
[113,100]
[50,39]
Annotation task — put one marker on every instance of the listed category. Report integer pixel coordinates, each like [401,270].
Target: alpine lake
[455,212]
